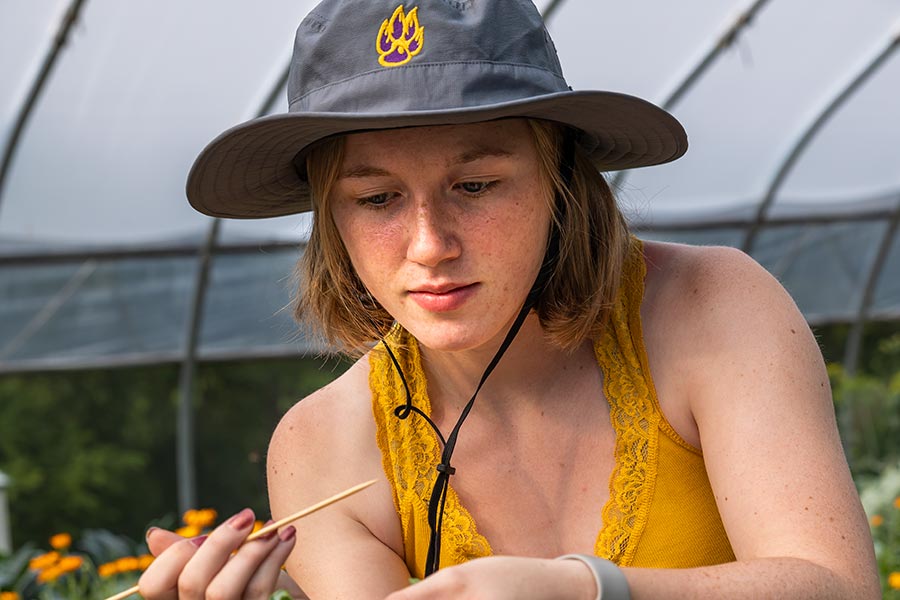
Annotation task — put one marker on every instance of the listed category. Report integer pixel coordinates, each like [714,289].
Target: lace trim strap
[411,451]
[635,416]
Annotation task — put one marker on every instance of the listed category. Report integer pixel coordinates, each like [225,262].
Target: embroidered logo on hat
[400,38]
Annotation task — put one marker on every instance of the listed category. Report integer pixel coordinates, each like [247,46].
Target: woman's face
[446,226]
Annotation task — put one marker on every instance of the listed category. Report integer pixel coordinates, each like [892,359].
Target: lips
[443,298]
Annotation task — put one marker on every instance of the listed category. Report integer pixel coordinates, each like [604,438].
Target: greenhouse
[791,110]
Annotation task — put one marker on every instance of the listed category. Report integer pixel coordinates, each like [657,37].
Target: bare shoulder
[720,297]
[736,332]
[714,317]
[326,443]
[327,428]
[706,275]
[731,331]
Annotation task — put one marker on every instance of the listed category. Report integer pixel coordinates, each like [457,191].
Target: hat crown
[360,65]
[447,54]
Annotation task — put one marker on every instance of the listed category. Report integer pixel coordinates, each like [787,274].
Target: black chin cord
[445,470]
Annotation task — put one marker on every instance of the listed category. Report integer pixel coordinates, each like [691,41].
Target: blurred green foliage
[868,409]
[89,449]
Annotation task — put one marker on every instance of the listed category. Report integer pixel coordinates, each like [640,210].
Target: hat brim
[248,171]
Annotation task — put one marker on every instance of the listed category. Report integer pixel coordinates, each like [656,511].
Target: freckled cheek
[374,249]
[530,239]
[518,243]
[384,238]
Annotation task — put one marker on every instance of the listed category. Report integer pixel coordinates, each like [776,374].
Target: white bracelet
[611,582]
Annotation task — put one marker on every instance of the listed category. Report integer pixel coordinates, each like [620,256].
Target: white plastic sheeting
[98,247]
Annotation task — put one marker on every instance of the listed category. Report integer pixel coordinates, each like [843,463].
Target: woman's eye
[376,201]
[475,187]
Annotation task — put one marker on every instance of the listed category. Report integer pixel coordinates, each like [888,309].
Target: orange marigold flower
[70,563]
[43,561]
[205,517]
[257,525]
[188,531]
[9,596]
[107,569]
[876,520]
[897,502]
[144,561]
[49,574]
[60,541]
[208,517]
[894,580]
[127,563]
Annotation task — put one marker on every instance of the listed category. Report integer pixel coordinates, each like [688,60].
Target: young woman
[534,382]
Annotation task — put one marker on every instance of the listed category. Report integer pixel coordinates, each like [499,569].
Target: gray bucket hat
[373,64]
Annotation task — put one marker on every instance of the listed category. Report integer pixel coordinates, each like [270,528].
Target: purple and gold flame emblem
[400,38]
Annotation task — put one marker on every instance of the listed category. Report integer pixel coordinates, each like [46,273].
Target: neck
[526,374]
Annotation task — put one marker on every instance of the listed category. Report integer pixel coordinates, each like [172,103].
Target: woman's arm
[324,444]
[512,578]
[761,400]
[762,403]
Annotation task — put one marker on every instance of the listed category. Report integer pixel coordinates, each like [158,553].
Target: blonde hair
[333,303]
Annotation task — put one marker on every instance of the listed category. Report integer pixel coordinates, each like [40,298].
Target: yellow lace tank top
[661,511]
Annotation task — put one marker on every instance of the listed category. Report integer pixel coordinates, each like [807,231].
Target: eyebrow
[361,171]
[477,154]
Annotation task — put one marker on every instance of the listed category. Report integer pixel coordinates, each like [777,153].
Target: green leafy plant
[881,499]
[869,416]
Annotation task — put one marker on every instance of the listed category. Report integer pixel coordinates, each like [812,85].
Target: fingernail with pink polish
[198,541]
[242,520]
[271,534]
[287,534]
[149,532]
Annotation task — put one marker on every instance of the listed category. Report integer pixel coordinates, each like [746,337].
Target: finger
[399,595]
[234,580]
[213,554]
[265,579]
[444,584]
[160,539]
[160,580]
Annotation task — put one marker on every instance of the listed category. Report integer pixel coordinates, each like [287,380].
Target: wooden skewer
[279,523]
[309,510]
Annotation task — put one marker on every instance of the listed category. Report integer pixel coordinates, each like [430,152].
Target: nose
[433,235]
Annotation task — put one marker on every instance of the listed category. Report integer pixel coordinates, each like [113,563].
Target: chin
[452,337]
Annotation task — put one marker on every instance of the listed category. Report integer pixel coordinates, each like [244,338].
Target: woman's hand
[506,577]
[204,567]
